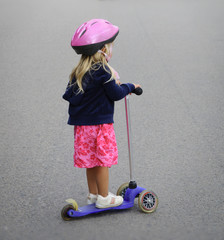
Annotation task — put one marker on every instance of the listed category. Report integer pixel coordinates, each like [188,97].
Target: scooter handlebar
[137,91]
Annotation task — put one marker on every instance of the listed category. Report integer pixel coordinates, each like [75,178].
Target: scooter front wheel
[148,201]
[122,189]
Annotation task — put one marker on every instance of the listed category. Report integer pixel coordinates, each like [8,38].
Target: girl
[93,87]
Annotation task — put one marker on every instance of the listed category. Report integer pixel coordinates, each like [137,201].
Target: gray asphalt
[175,50]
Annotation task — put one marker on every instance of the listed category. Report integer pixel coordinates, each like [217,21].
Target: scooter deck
[89,209]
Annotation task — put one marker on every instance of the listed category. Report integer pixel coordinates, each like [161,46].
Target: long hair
[87,63]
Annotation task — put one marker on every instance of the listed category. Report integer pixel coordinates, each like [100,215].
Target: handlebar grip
[137,91]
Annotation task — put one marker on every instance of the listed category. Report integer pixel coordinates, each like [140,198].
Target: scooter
[147,200]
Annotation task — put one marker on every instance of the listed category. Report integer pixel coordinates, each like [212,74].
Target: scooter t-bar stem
[127,111]
[137,91]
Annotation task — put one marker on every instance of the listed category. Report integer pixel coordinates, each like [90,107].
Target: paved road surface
[175,50]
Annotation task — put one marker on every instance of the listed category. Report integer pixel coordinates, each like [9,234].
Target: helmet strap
[108,57]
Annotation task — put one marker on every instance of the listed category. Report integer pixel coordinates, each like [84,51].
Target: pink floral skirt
[95,146]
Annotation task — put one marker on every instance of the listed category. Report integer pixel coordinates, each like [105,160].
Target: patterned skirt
[95,146]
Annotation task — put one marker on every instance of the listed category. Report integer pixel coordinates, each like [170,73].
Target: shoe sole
[108,206]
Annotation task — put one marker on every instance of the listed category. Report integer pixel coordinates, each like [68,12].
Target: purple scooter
[147,200]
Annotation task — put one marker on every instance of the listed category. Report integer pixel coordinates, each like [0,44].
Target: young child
[93,87]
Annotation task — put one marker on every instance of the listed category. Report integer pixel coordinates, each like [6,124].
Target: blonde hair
[87,63]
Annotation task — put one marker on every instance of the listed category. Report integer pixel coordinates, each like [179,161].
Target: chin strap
[106,56]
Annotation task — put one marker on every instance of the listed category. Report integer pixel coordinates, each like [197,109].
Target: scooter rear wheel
[148,201]
[64,212]
[122,189]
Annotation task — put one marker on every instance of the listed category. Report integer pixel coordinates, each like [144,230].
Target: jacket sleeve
[116,92]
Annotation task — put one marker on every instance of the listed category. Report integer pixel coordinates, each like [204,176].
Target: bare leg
[91,180]
[102,180]
[98,180]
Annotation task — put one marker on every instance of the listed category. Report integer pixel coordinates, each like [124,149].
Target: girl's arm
[71,96]
[116,92]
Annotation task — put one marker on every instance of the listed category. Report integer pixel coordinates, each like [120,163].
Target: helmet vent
[82,33]
[93,23]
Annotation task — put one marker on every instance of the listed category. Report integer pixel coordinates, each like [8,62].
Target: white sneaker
[110,201]
[91,198]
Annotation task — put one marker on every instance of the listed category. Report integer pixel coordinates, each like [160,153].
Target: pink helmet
[91,36]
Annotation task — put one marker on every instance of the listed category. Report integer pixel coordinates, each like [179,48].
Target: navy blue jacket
[96,105]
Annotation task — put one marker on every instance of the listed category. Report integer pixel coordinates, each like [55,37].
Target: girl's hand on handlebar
[137,85]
